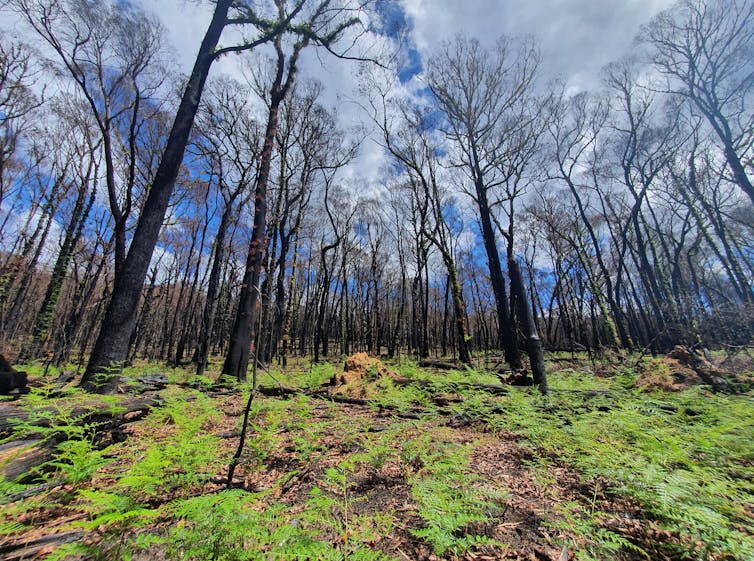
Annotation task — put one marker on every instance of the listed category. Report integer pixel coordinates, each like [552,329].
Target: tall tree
[286,67]
[478,91]
[409,140]
[321,25]
[76,136]
[575,130]
[111,348]
[229,141]
[307,145]
[110,53]
[704,50]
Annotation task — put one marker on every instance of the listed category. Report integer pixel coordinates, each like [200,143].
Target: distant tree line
[513,215]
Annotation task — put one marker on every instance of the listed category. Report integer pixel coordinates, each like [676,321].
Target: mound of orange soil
[361,375]
[682,368]
[669,374]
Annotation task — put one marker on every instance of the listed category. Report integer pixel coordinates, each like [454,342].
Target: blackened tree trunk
[42,231]
[80,301]
[144,314]
[111,348]
[319,329]
[213,290]
[508,337]
[285,337]
[181,278]
[283,298]
[444,336]
[271,263]
[529,326]
[237,359]
[395,337]
[190,308]
[459,312]
[617,332]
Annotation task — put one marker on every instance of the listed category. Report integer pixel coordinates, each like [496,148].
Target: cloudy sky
[577,38]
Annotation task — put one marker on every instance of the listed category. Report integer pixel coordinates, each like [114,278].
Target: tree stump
[12,382]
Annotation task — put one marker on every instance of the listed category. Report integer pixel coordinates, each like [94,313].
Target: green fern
[685,457]
[451,499]
[77,461]
[181,458]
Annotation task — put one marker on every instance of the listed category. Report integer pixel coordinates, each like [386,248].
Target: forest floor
[390,462]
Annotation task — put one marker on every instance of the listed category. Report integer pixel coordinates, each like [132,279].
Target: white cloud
[185,23]
[577,37]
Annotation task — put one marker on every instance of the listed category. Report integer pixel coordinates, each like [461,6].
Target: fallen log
[440,364]
[152,382]
[33,490]
[279,391]
[282,391]
[708,372]
[20,457]
[11,415]
[347,400]
[494,389]
[34,549]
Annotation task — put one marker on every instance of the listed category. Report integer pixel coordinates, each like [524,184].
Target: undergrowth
[686,459]
[455,503]
[181,454]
